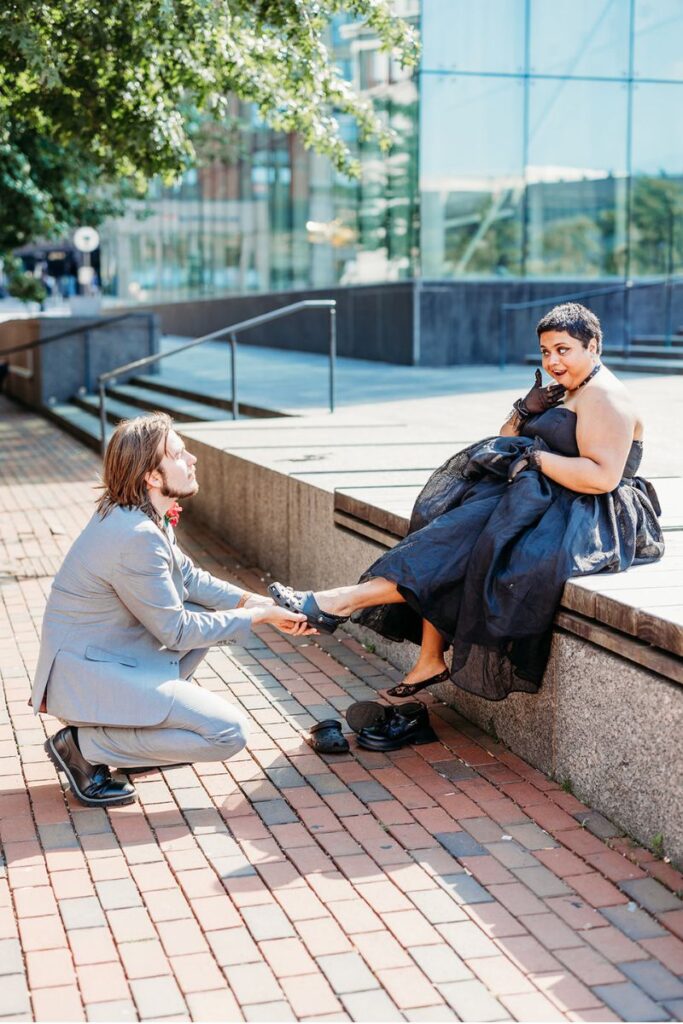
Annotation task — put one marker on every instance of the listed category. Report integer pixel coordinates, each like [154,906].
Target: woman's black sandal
[365,714]
[410,689]
[327,738]
[303,601]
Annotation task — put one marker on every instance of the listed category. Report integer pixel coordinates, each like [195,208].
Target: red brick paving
[190,906]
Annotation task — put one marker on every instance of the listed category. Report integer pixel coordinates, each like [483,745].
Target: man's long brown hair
[136,448]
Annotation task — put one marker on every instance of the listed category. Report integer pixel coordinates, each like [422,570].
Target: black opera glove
[539,399]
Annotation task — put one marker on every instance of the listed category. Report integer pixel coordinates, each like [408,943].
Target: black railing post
[103,419]
[233,373]
[333,353]
[502,340]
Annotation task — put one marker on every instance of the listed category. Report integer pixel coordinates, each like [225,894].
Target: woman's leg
[429,664]
[346,600]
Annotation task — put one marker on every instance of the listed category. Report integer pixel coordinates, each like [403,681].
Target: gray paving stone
[437,907]
[91,822]
[285,778]
[675,1008]
[651,894]
[118,893]
[531,836]
[440,963]
[430,1013]
[157,997]
[14,997]
[472,1001]
[268,1012]
[276,812]
[484,830]
[267,922]
[84,912]
[375,1006]
[654,978]
[454,770]
[120,1009]
[369,792]
[347,972]
[11,961]
[192,799]
[541,881]
[465,889]
[633,922]
[258,790]
[218,844]
[321,711]
[598,824]
[233,867]
[461,844]
[627,1000]
[60,836]
[511,855]
[326,784]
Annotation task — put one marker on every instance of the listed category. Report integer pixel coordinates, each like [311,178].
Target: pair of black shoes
[91,784]
[384,727]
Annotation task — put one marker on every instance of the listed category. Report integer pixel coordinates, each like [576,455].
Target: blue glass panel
[579,37]
[487,35]
[658,41]
[657,191]
[471,160]
[576,178]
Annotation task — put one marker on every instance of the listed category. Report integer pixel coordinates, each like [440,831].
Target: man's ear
[153,478]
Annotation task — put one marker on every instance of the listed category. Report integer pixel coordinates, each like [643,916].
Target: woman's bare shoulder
[605,393]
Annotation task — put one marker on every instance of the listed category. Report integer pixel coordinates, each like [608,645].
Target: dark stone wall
[426,323]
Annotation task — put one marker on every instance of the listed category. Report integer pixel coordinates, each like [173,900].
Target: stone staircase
[145,393]
[647,353]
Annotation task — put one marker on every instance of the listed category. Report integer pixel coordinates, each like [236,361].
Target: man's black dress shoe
[408,723]
[92,784]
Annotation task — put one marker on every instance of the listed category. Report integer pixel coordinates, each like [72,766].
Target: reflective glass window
[576,179]
[657,188]
[579,37]
[460,35]
[658,39]
[471,183]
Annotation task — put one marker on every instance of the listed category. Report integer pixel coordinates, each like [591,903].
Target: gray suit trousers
[201,726]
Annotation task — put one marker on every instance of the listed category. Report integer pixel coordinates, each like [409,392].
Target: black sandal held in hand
[410,689]
[303,601]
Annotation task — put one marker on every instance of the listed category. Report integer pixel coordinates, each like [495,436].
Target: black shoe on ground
[408,723]
[92,784]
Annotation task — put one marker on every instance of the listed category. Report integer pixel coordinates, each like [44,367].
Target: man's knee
[232,735]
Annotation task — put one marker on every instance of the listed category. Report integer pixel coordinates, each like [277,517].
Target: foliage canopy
[99,96]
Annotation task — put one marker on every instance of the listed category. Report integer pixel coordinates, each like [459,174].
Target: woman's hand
[539,399]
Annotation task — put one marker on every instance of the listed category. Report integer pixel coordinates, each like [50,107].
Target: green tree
[97,98]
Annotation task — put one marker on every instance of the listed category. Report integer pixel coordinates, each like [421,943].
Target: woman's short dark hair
[573,318]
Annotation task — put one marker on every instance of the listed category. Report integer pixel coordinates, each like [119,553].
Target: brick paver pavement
[443,882]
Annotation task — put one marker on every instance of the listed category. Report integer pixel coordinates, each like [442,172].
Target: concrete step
[638,351]
[115,409]
[168,386]
[658,339]
[182,409]
[78,422]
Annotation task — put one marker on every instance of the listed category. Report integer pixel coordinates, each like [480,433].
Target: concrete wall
[60,368]
[426,323]
[609,726]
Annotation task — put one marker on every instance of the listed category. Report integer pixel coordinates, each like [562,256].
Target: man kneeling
[128,620]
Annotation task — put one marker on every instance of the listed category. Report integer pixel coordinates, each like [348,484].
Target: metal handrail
[670,282]
[233,330]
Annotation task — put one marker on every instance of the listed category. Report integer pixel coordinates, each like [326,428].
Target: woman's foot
[420,677]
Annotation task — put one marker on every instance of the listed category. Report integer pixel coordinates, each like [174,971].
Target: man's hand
[292,623]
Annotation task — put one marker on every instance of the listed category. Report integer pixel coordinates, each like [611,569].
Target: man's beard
[171,492]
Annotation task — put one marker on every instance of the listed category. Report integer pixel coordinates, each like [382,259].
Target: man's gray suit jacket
[120,615]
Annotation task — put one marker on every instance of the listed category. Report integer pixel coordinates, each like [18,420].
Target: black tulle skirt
[485,561]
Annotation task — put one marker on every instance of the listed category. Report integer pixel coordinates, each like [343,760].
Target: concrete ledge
[609,716]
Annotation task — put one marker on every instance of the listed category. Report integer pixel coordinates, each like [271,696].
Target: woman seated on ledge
[502,525]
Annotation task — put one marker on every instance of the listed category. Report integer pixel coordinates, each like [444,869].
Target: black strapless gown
[486,561]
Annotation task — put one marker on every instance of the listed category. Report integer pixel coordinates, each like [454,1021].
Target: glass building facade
[538,139]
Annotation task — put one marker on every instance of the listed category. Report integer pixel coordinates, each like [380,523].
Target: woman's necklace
[589,377]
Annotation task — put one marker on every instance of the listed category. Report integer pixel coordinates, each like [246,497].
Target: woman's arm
[604,431]
[511,426]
